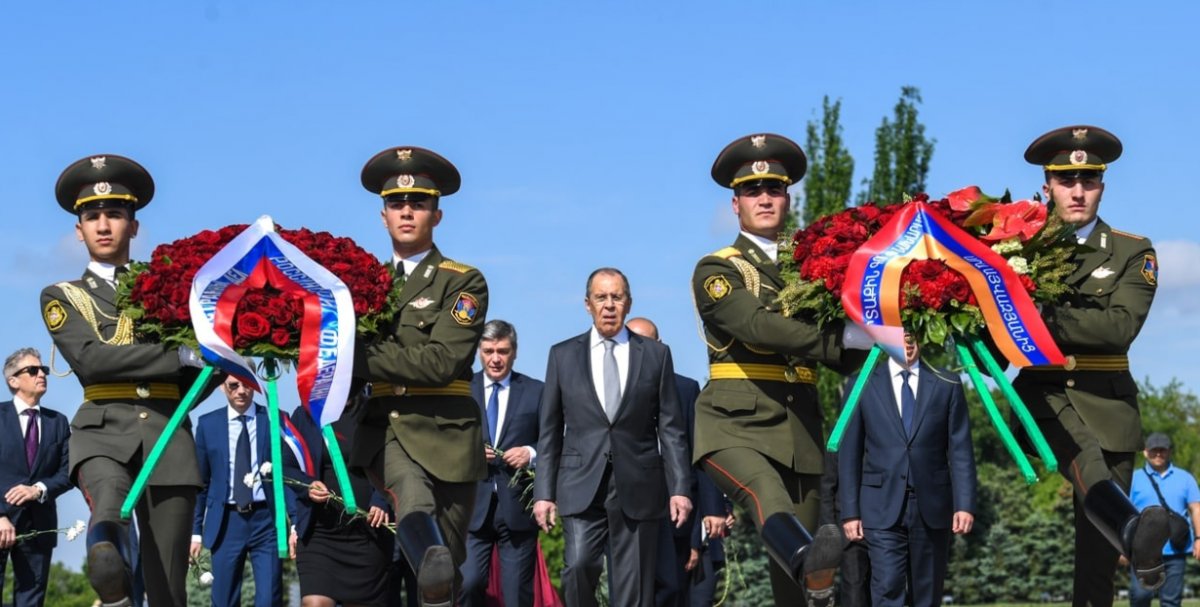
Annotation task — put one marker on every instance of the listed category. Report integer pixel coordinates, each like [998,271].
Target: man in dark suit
[681,548]
[907,477]
[509,402]
[233,517]
[612,449]
[33,473]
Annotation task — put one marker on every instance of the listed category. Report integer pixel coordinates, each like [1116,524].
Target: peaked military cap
[103,181]
[1074,149]
[759,157]
[407,171]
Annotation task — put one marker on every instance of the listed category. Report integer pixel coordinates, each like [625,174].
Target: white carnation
[265,469]
[206,578]
[75,530]
[1019,264]
[250,479]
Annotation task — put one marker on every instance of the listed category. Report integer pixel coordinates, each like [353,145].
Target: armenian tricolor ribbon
[260,256]
[871,296]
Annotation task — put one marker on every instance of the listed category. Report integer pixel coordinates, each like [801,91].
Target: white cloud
[1179,263]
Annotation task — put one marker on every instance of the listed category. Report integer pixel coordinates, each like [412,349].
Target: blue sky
[584,131]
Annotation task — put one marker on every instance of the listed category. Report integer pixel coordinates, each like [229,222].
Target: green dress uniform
[422,436]
[758,429]
[1088,409]
[131,388]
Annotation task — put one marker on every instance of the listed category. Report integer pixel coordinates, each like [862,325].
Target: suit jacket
[212,453]
[118,428]
[314,441]
[520,428]
[49,468]
[709,499]
[443,307]
[1113,286]
[736,291]
[878,460]
[577,441]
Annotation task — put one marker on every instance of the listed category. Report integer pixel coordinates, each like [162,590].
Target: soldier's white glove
[854,338]
[189,358]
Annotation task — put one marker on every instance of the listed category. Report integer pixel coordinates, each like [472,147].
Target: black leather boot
[1140,536]
[423,546]
[108,563]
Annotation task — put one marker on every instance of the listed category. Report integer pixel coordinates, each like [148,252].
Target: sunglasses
[32,370]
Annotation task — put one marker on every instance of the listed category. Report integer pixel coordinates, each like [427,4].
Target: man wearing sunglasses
[422,434]
[758,421]
[33,473]
[131,386]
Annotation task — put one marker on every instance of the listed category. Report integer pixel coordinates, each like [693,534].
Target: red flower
[962,200]
[1023,218]
[252,326]
[281,337]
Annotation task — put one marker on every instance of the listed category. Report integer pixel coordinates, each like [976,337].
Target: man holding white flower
[233,509]
[33,473]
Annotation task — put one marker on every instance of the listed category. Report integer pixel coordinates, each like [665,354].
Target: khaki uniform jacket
[1114,287]
[433,343]
[118,428]
[735,290]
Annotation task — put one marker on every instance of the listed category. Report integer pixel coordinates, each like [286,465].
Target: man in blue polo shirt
[1180,494]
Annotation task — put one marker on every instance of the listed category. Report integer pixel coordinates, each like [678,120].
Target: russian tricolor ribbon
[257,257]
[293,439]
[871,292]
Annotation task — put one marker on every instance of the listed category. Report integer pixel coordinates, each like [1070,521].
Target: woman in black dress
[340,558]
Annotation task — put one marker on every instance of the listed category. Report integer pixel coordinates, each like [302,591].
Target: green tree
[902,153]
[830,165]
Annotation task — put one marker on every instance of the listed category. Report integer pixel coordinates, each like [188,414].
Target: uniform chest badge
[1150,269]
[717,287]
[1102,272]
[421,303]
[466,308]
[55,315]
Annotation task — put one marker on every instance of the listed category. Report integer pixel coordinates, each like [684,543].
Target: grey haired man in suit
[610,400]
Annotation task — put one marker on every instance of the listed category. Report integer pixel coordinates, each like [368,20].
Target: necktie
[493,413]
[908,402]
[612,380]
[31,437]
[242,495]
[401,277]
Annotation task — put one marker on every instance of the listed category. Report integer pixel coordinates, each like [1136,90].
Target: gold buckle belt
[762,372]
[458,387]
[1089,362]
[131,391]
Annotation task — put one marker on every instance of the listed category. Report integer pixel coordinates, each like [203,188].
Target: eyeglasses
[32,370]
[618,298]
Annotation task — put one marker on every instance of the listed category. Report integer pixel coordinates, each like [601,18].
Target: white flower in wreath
[1019,264]
[1008,245]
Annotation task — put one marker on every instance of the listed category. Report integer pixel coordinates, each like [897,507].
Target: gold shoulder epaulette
[454,266]
[728,252]
[1127,234]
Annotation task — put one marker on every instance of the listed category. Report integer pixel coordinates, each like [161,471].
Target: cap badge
[760,166]
[98,162]
[1079,157]
[1102,272]
[758,141]
[404,154]
[405,181]
[1079,134]
[102,188]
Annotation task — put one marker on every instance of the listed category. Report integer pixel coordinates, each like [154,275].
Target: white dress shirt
[21,407]
[768,246]
[235,430]
[501,415]
[895,369]
[620,351]
[106,271]
[411,262]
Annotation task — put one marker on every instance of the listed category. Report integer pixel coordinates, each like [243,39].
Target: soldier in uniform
[130,390]
[422,433]
[1087,409]
[758,423]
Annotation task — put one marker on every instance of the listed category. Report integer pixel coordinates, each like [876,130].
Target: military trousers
[1083,462]
[411,488]
[164,516]
[762,487]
